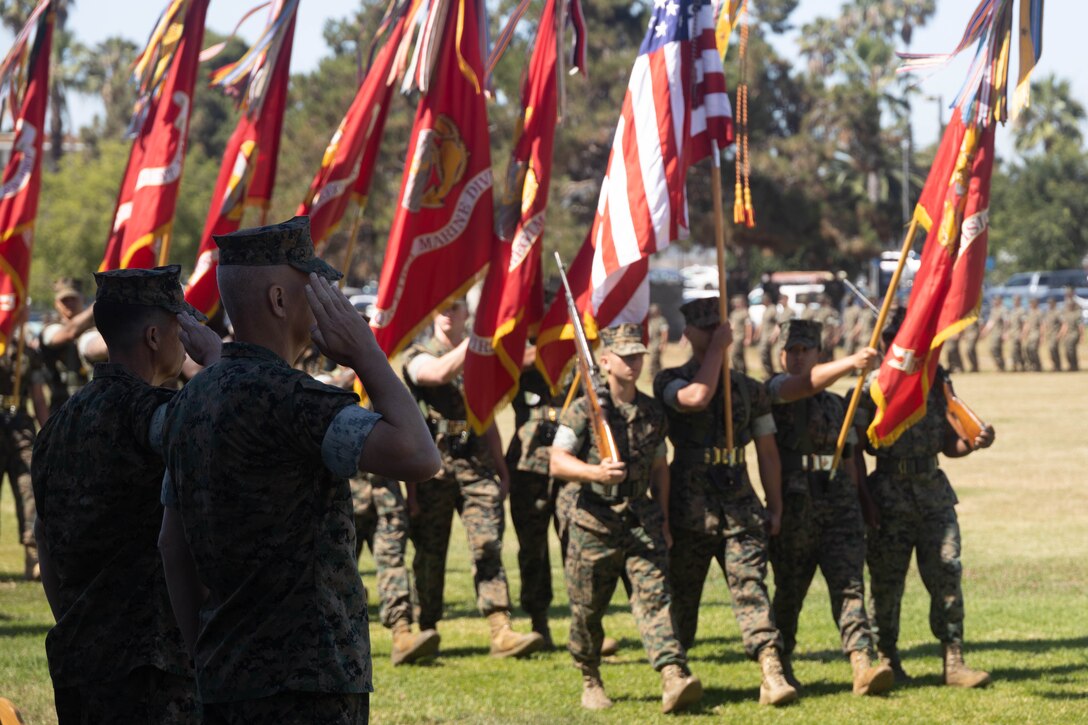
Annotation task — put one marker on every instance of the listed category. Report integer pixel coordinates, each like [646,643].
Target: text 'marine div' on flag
[441,236]
[347,167]
[947,290]
[513,293]
[247,174]
[167,71]
[674,112]
[24,80]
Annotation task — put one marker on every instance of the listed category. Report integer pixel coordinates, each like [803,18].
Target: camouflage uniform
[851,316]
[1052,325]
[738,321]
[1015,328]
[969,338]
[532,493]
[619,528]
[114,619]
[714,513]
[828,317]
[381,522]
[116,654]
[1033,327]
[1071,317]
[65,373]
[999,319]
[917,514]
[784,315]
[953,360]
[821,520]
[467,484]
[258,457]
[292,708]
[767,327]
[656,327]
[17,437]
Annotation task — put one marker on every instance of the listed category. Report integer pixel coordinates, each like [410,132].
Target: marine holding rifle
[613,444]
[915,512]
[714,513]
[821,515]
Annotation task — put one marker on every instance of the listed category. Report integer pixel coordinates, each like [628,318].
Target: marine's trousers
[1019,361]
[827,533]
[532,509]
[765,359]
[145,695]
[997,354]
[293,708]
[383,526]
[1055,355]
[743,559]
[1071,352]
[1031,352]
[935,536]
[595,560]
[16,447]
[480,506]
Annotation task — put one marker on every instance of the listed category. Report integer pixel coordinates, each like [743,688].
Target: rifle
[587,371]
[964,421]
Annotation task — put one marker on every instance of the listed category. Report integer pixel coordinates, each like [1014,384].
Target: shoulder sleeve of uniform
[761,399]
[169,496]
[774,388]
[345,439]
[49,332]
[412,364]
[313,408]
[149,417]
[573,428]
[667,384]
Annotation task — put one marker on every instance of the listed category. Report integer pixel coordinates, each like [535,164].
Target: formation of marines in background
[268,476]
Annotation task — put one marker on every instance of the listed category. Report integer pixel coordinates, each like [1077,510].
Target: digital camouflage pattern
[270,529]
[1033,330]
[144,695]
[821,522]
[999,321]
[288,243]
[158,287]
[466,484]
[917,514]
[714,512]
[97,479]
[1052,330]
[738,322]
[609,536]
[65,372]
[828,317]
[293,708]
[625,339]
[657,329]
[532,494]
[768,325]
[851,333]
[1015,327]
[1071,318]
[701,312]
[969,339]
[17,432]
[381,522]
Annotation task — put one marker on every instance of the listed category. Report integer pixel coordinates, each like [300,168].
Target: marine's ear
[277,299]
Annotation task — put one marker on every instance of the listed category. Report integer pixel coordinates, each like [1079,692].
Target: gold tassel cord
[743,211]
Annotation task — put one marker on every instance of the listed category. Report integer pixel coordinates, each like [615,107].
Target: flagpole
[349,253]
[851,411]
[164,249]
[723,311]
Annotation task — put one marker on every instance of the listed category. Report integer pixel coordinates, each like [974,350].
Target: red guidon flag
[675,112]
[248,171]
[442,231]
[24,79]
[945,298]
[347,167]
[512,298]
[167,70]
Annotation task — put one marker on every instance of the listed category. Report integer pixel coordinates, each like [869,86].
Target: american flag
[675,109]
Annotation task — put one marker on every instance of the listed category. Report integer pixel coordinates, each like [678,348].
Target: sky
[94,20]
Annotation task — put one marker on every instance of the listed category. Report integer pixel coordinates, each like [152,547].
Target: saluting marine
[620,523]
[713,510]
[821,516]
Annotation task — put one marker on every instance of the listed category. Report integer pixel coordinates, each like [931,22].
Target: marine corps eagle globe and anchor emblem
[438,164]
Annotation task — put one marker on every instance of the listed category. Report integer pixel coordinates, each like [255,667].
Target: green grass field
[1022,511]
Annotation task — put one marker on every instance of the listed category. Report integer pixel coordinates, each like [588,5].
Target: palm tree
[103,71]
[1054,117]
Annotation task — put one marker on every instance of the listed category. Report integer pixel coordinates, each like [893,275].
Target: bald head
[267,306]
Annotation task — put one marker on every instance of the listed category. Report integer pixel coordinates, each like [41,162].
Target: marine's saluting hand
[200,341]
[341,333]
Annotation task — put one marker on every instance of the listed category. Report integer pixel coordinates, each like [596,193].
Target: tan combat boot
[870,680]
[774,690]
[593,694]
[33,570]
[408,647]
[609,647]
[890,657]
[957,673]
[678,689]
[505,642]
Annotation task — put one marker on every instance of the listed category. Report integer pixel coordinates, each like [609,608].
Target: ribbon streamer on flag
[675,109]
[166,71]
[247,174]
[347,167]
[442,232]
[24,78]
[512,298]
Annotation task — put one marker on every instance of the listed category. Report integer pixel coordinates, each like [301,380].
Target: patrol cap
[285,243]
[802,332]
[66,287]
[625,339]
[702,312]
[158,287]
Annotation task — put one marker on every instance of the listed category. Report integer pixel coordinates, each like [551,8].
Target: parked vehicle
[1040,283]
[802,290]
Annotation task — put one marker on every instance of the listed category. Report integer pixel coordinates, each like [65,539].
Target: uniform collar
[114,370]
[250,350]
